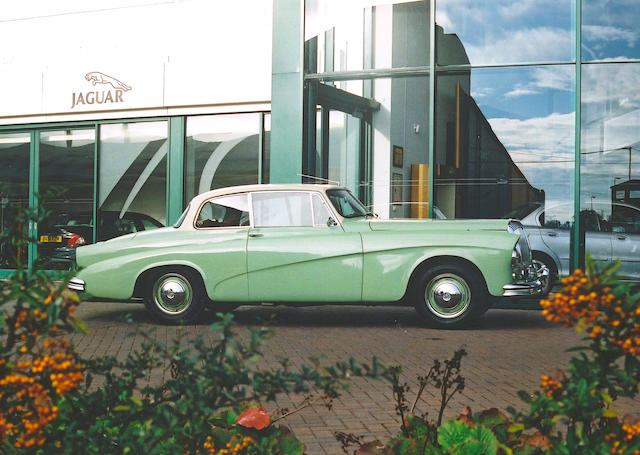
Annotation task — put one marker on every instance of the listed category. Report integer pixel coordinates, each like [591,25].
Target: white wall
[176,56]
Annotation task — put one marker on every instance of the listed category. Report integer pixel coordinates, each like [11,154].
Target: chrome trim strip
[531,288]
[76,284]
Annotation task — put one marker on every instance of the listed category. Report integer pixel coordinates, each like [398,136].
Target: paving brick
[507,350]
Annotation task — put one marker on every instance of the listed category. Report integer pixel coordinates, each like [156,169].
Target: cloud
[540,146]
[522,46]
[609,33]
[482,92]
[520,90]
[557,78]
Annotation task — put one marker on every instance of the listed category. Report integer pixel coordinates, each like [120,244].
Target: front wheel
[540,261]
[450,295]
[175,296]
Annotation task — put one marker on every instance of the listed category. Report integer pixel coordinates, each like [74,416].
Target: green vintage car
[293,244]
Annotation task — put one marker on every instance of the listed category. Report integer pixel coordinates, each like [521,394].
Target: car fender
[116,278]
[387,271]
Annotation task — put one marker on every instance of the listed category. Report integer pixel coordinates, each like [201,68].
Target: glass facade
[118,173]
[518,109]
[132,177]
[221,151]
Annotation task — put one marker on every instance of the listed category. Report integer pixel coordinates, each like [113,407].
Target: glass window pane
[133,177]
[610,30]
[227,211]
[320,211]
[401,138]
[66,191]
[366,34]
[280,209]
[14,195]
[222,151]
[610,164]
[504,148]
[504,31]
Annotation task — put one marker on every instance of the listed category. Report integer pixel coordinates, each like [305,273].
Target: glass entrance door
[336,134]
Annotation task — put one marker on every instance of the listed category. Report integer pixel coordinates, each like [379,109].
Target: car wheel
[450,295]
[175,296]
[540,261]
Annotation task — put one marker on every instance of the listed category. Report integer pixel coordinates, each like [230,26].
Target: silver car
[612,231]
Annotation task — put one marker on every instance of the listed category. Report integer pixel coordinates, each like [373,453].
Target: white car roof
[262,187]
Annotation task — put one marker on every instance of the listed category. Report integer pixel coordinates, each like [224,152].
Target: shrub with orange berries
[576,408]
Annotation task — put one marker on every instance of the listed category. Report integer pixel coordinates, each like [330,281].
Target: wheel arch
[441,260]
[144,275]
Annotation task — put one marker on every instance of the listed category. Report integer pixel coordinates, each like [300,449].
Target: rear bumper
[530,288]
[76,284]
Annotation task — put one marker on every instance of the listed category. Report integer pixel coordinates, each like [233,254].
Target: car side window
[225,211]
[321,213]
[557,217]
[282,209]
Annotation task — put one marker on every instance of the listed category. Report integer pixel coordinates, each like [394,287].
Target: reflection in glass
[503,31]
[407,127]
[14,194]
[133,175]
[504,138]
[344,150]
[222,150]
[66,191]
[356,35]
[610,168]
[610,30]
[504,147]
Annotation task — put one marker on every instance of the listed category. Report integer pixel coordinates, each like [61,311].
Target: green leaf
[609,413]
[122,408]
[516,427]
[289,445]
[452,433]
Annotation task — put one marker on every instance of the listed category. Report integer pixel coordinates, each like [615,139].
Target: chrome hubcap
[447,295]
[172,294]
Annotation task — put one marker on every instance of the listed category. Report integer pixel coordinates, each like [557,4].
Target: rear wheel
[450,295]
[175,296]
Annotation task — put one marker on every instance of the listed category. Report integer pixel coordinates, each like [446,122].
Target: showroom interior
[423,109]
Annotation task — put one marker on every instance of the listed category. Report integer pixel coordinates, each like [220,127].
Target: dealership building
[121,112]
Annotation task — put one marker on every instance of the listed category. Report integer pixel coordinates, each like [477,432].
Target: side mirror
[331,222]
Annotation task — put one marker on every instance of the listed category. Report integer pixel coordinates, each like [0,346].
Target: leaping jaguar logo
[100,78]
[109,95]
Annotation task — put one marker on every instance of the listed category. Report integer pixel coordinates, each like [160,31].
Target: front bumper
[76,284]
[529,288]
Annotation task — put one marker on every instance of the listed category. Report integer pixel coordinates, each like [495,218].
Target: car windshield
[346,204]
[182,217]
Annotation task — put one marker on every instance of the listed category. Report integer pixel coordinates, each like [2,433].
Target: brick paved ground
[508,350]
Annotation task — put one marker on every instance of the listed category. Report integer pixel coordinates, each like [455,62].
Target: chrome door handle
[552,234]
[622,237]
[255,234]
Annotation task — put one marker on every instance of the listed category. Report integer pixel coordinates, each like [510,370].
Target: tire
[542,260]
[175,296]
[450,295]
